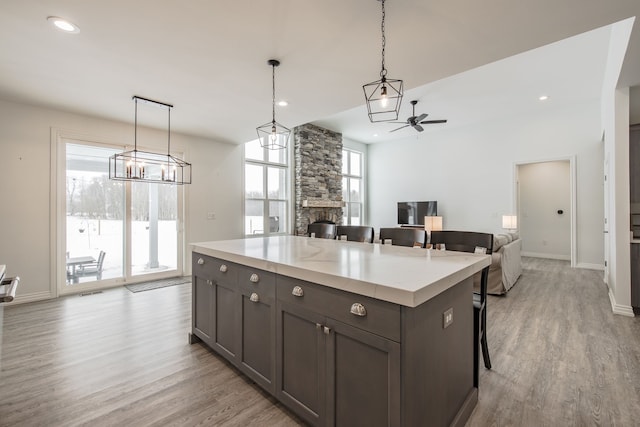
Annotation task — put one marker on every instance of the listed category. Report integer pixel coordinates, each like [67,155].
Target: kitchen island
[343,333]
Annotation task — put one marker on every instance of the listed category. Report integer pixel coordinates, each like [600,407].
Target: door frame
[572,196]
[58,229]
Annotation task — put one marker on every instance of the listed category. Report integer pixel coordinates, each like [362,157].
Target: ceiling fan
[415,121]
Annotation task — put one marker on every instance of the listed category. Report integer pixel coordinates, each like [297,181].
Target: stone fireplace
[318,176]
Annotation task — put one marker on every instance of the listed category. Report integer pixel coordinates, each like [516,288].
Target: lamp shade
[432,223]
[509,222]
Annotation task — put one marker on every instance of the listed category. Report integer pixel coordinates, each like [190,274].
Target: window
[266,189]
[352,187]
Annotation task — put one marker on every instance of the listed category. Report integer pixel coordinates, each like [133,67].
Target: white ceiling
[209,59]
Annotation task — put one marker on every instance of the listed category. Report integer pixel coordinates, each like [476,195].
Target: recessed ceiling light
[543,97]
[63,25]
[375,134]
[283,103]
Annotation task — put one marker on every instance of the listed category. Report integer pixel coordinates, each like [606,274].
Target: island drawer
[214,268]
[255,280]
[379,317]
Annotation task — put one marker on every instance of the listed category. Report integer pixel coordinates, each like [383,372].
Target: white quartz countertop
[401,275]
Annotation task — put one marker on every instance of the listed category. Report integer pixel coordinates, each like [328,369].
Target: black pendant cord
[169,132]
[383,71]
[273,93]
[135,127]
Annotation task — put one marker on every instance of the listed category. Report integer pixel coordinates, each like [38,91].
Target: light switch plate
[447,318]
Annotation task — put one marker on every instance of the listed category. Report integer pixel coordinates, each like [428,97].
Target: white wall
[469,171]
[25,165]
[545,188]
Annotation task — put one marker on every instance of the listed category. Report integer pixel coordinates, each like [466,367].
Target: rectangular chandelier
[144,166]
[136,165]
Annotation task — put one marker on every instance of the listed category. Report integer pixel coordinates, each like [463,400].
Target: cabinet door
[363,382]
[301,362]
[635,275]
[225,307]
[202,304]
[257,347]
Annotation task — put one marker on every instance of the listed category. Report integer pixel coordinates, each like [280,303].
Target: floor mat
[156,284]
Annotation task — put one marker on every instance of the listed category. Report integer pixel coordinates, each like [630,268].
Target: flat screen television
[413,213]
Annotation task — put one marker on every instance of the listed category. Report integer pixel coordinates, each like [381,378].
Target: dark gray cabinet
[214,303]
[337,358]
[234,314]
[328,371]
[635,277]
[256,325]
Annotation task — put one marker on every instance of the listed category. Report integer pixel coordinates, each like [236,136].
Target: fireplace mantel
[322,203]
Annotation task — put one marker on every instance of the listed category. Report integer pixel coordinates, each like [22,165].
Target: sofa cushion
[499,240]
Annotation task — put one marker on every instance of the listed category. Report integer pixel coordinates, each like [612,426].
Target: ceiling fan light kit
[273,135]
[143,166]
[384,96]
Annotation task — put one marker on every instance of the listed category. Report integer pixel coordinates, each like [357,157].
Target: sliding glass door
[115,231]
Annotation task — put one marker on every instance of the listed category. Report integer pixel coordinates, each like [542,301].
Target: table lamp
[509,222]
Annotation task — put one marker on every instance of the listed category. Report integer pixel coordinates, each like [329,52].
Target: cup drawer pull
[297,292]
[223,268]
[358,309]
[254,278]
[254,297]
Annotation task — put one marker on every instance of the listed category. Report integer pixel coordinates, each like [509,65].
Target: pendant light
[273,135]
[143,166]
[383,96]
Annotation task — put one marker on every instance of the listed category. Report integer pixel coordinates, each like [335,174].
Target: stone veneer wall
[318,174]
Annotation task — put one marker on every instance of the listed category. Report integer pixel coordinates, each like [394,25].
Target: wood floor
[560,358]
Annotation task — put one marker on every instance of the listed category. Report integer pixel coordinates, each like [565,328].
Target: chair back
[411,237]
[322,230]
[356,233]
[100,260]
[467,241]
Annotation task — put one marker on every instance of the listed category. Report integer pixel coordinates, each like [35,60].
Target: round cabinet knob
[223,268]
[209,282]
[254,278]
[297,292]
[200,261]
[358,309]
[254,297]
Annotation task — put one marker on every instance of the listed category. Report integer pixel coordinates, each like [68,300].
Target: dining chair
[322,230]
[468,241]
[356,233]
[412,237]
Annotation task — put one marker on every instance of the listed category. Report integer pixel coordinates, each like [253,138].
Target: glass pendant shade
[144,166]
[383,98]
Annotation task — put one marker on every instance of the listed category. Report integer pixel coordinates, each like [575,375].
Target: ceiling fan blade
[421,117]
[401,127]
[430,122]
[402,123]
[418,128]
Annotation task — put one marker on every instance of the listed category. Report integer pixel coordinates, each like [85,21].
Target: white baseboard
[36,296]
[623,310]
[547,256]
[590,266]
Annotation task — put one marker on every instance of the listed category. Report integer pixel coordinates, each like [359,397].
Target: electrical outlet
[447,318]
[211,215]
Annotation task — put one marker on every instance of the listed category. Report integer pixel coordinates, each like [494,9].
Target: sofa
[506,264]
